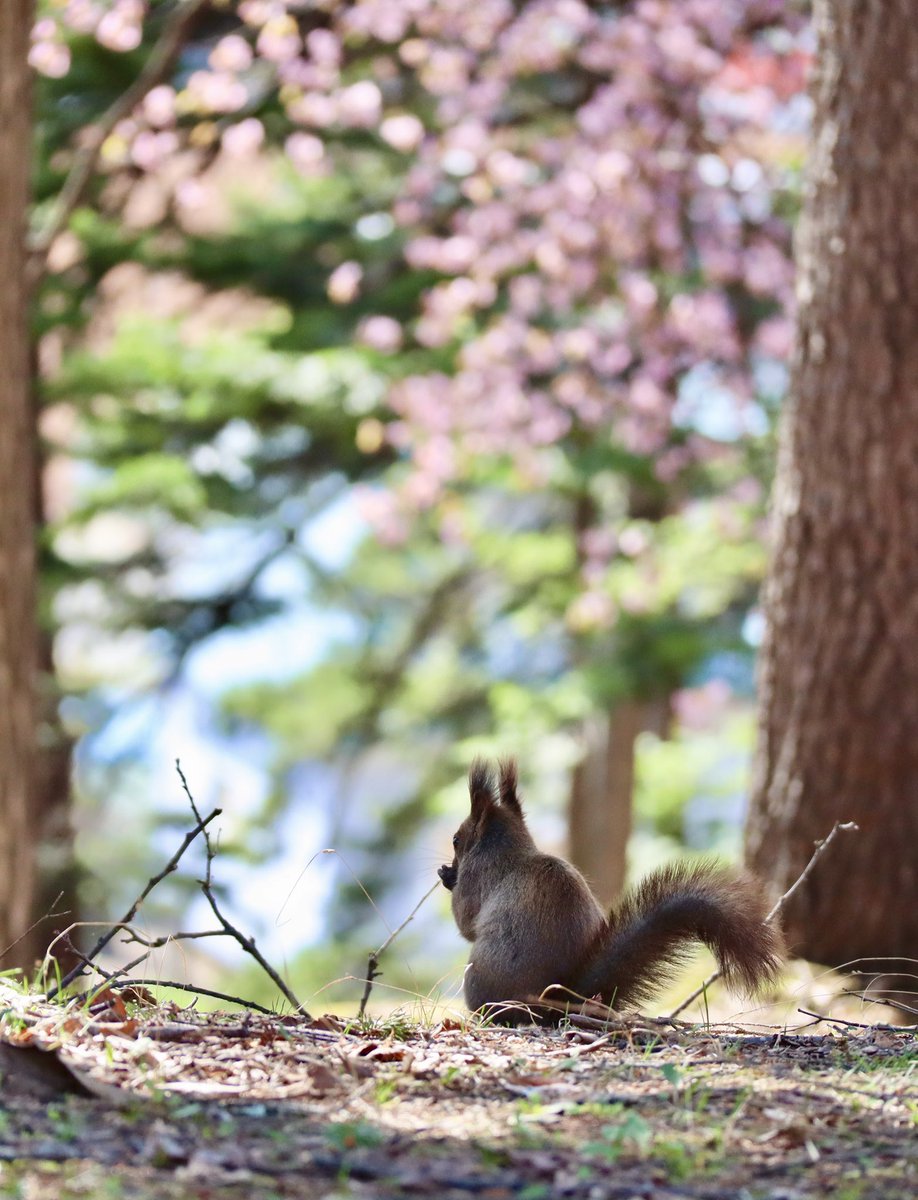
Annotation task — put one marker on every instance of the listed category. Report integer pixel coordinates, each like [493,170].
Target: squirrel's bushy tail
[651,930]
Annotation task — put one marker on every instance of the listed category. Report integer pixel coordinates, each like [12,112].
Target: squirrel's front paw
[448,873]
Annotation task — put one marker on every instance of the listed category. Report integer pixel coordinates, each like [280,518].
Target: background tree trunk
[56,888]
[600,816]
[18,634]
[839,669]
[55,903]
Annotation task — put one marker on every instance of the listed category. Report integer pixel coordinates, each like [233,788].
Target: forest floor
[158,1101]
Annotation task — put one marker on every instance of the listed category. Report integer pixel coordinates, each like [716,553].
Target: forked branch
[247,943]
[116,978]
[171,865]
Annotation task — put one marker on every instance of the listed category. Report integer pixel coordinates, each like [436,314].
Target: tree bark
[18,634]
[600,816]
[838,733]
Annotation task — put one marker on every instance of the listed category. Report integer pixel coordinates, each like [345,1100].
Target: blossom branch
[159,64]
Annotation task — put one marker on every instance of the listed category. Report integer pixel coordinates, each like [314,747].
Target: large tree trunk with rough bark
[839,672]
[18,633]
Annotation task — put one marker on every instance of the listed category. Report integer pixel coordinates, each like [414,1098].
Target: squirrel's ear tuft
[509,797]
[481,787]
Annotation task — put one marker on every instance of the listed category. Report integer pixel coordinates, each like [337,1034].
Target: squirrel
[535,925]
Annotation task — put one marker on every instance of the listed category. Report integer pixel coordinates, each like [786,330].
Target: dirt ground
[158,1101]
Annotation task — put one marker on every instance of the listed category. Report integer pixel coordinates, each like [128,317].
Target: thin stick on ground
[856,1024]
[116,979]
[373,960]
[247,943]
[821,847]
[884,998]
[195,989]
[150,945]
[171,865]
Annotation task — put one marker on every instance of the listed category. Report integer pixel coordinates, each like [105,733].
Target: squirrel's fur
[535,925]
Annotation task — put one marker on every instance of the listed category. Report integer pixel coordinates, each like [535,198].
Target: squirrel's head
[496,816]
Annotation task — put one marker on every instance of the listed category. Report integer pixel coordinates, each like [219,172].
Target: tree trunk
[55,903]
[56,890]
[838,737]
[18,635]
[599,820]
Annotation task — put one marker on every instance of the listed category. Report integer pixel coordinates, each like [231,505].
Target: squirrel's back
[531,930]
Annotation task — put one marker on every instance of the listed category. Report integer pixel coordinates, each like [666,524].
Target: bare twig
[372,974]
[821,847]
[227,929]
[247,943]
[159,64]
[150,945]
[375,955]
[167,938]
[115,981]
[81,957]
[618,1027]
[856,1024]
[198,991]
[171,865]
[35,924]
[128,967]
[884,998]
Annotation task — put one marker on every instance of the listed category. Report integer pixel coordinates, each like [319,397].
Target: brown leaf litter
[203,1104]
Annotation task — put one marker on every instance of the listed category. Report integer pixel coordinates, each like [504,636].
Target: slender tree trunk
[600,809]
[599,819]
[55,903]
[56,892]
[18,634]
[839,673]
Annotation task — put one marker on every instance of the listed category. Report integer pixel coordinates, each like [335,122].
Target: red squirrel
[533,921]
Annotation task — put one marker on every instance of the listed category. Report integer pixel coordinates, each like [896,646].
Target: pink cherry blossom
[402,131]
[344,283]
[360,104]
[50,58]
[380,333]
[243,139]
[158,106]
[231,53]
[598,192]
[306,152]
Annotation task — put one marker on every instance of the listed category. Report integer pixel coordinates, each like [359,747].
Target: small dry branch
[247,943]
[53,911]
[373,971]
[171,865]
[821,847]
[117,979]
[856,1024]
[193,988]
